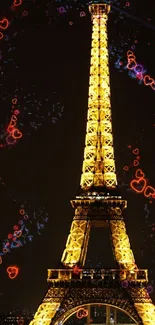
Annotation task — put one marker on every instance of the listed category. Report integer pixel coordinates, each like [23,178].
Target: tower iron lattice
[98,204]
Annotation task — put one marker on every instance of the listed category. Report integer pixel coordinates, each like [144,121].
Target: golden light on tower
[102,208]
[99,163]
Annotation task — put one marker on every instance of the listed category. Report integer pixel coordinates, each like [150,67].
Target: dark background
[44,168]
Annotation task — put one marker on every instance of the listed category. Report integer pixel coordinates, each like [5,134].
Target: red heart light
[1,35]
[82,14]
[12,271]
[17,3]
[139,173]
[25,13]
[4,23]
[126,168]
[135,163]
[138,185]
[135,151]
[149,191]
[76,270]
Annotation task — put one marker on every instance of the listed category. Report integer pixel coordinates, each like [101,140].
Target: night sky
[52,54]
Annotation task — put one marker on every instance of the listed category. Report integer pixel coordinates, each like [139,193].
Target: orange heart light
[4,23]
[130,53]
[139,173]
[16,134]
[18,233]
[22,211]
[0,259]
[131,64]
[14,101]
[81,313]
[12,271]
[147,80]
[149,191]
[131,57]
[138,185]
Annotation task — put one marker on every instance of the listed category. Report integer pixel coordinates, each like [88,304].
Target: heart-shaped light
[4,23]
[138,185]
[135,151]
[148,80]
[12,271]
[149,191]
[16,134]
[129,52]
[135,162]
[131,57]
[14,101]
[82,14]
[139,173]
[126,168]
[81,313]
[17,3]
[131,64]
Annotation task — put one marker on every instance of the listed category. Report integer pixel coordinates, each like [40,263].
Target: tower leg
[143,304]
[122,249]
[49,306]
[77,242]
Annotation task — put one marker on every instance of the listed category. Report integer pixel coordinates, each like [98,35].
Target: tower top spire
[98,169]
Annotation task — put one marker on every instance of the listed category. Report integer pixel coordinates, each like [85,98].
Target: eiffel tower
[98,204]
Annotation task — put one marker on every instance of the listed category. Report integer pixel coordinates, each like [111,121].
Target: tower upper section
[99,165]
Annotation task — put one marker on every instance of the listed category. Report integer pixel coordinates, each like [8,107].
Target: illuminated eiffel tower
[98,204]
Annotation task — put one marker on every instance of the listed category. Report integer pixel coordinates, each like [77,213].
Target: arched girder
[75,309]
[77,298]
